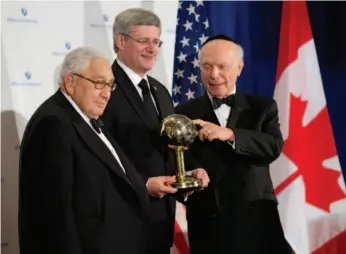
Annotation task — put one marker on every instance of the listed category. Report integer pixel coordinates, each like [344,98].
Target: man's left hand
[199,173]
[211,131]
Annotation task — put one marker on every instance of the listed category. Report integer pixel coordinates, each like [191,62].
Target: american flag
[192,31]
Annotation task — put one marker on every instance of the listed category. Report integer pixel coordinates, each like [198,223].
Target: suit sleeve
[46,188]
[262,146]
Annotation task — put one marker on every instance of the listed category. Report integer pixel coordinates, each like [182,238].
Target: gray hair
[240,53]
[133,17]
[78,60]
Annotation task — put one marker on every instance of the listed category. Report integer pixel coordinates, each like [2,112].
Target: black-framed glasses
[99,84]
[146,41]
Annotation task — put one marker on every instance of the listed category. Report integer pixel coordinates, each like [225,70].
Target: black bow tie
[229,100]
[97,124]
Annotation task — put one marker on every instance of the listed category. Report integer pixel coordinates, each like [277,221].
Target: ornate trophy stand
[180,132]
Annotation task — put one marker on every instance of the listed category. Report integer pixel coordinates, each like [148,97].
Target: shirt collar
[87,119]
[134,77]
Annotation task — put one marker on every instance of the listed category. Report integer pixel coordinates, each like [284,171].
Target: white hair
[78,60]
[133,17]
[240,53]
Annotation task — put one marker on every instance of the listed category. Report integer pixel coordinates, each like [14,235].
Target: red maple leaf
[307,147]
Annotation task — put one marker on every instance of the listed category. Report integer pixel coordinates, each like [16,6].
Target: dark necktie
[229,100]
[97,124]
[147,101]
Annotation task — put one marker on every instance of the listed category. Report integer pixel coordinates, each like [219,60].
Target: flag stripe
[179,240]
[335,245]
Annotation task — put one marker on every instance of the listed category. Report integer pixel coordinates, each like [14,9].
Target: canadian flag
[307,176]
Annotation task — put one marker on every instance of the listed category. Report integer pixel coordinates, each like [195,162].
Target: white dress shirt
[223,113]
[100,135]
[136,79]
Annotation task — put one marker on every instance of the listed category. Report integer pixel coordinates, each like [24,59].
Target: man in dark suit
[239,136]
[79,194]
[133,117]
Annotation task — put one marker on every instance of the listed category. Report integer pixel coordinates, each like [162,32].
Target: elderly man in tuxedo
[239,136]
[79,193]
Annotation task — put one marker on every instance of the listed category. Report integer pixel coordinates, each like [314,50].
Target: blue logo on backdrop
[23,18]
[68,45]
[103,22]
[63,52]
[24,11]
[28,75]
[27,81]
[105,17]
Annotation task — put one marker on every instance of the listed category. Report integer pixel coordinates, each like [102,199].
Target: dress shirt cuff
[188,173]
[232,143]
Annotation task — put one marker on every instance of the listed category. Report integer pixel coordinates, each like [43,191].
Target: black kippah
[219,37]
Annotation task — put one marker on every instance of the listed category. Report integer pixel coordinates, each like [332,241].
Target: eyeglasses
[145,41]
[99,84]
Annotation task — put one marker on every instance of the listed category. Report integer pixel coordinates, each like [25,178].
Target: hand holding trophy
[179,131]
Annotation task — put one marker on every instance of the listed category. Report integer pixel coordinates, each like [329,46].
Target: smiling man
[133,117]
[239,137]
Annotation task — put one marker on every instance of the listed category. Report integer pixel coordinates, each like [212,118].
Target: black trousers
[162,250]
[160,236]
[248,229]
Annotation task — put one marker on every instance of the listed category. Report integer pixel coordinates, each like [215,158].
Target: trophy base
[187,183]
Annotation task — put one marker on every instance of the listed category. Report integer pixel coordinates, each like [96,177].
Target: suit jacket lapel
[164,106]
[237,112]
[90,138]
[208,114]
[100,149]
[233,118]
[124,83]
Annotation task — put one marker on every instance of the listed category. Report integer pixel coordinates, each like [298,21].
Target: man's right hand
[157,188]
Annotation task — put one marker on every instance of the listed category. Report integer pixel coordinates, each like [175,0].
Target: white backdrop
[35,38]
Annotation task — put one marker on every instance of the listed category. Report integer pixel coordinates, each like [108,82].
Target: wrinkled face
[90,100]
[139,48]
[220,66]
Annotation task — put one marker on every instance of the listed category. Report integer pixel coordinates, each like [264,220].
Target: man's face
[220,66]
[139,49]
[90,100]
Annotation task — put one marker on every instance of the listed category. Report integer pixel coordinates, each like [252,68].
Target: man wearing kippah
[239,136]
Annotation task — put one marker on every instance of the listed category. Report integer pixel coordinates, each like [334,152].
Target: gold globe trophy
[179,132]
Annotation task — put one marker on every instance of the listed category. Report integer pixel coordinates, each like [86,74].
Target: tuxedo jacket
[240,174]
[74,198]
[127,122]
